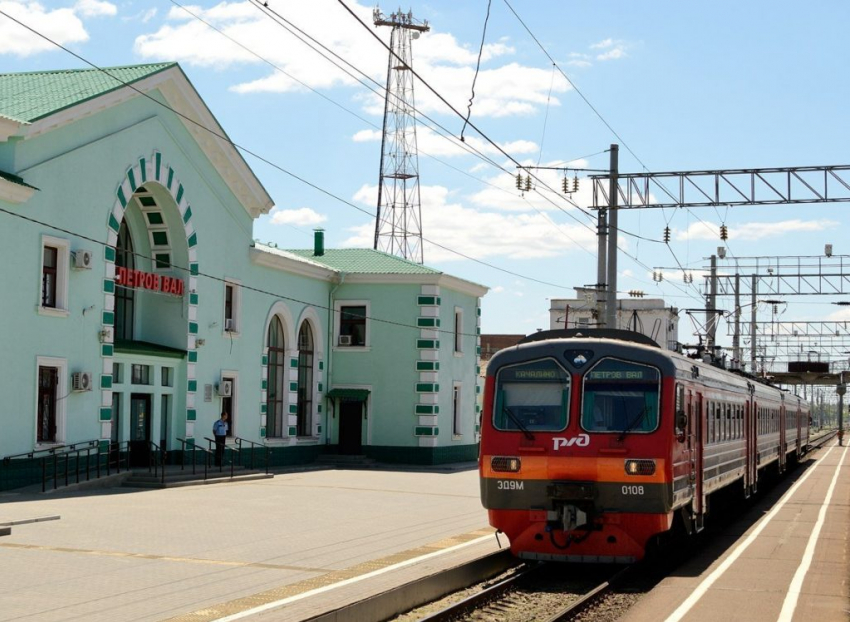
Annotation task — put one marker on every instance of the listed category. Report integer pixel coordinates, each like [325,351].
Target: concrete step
[344,461]
[176,479]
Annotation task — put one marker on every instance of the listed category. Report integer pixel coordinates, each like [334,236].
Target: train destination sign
[621,374]
[147,280]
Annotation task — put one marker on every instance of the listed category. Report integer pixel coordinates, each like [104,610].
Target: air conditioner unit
[81,381]
[345,340]
[224,388]
[83,260]
[230,325]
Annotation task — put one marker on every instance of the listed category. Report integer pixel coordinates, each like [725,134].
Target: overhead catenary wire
[265,160]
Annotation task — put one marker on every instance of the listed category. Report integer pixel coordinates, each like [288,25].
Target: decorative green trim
[320,387]
[319,429]
[265,359]
[193,268]
[143,169]
[106,381]
[179,194]
[170,177]
[192,386]
[163,261]
[109,286]
[113,223]
[191,414]
[158,160]
[293,430]
[321,365]
[193,328]
[264,385]
[107,349]
[293,363]
[263,409]
[293,386]
[427,409]
[106,413]
[121,197]
[427,301]
[108,318]
[422,430]
[193,240]
[427,387]
[293,409]
[193,299]
[132,177]
[427,366]
[160,238]
[427,344]
[319,408]
[109,253]
[193,356]
[187,214]
[262,433]
[428,322]
[155,218]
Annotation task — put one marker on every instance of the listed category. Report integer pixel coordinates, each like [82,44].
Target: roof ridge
[81,70]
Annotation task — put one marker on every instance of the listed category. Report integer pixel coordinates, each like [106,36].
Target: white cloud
[510,89]
[95,8]
[753,230]
[605,43]
[473,231]
[61,25]
[842,315]
[498,289]
[614,54]
[298,217]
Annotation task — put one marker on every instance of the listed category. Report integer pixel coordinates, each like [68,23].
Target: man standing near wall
[220,428]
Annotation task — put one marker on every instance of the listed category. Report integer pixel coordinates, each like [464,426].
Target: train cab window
[619,396]
[532,397]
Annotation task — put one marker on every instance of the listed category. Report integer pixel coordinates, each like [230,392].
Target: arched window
[305,379]
[276,380]
[125,297]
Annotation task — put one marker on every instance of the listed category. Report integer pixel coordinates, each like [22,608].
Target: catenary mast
[398,225]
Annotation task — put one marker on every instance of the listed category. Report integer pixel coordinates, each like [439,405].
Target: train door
[695,437]
[752,447]
[783,437]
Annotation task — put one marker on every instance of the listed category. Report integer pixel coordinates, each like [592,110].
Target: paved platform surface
[790,565]
[312,540]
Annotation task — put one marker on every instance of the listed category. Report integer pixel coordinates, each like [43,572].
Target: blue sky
[685,85]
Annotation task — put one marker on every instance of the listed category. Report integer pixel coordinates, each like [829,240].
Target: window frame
[457,409]
[367,339]
[60,404]
[235,308]
[458,331]
[232,419]
[569,386]
[281,367]
[304,408]
[658,411]
[62,275]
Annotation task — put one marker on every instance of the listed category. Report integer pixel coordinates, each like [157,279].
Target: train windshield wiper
[518,423]
[633,424]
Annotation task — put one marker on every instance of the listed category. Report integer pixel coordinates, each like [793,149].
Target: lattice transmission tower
[398,225]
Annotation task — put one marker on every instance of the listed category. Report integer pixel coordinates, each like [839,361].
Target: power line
[225,138]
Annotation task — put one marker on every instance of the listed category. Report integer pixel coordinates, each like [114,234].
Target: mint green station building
[136,306]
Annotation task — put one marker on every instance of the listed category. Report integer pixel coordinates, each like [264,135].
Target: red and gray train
[594,442]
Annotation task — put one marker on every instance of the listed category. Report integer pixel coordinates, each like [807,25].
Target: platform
[788,560]
[288,548]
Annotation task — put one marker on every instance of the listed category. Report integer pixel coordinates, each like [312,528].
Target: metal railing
[156,461]
[62,462]
[188,445]
[265,449]
[226,451]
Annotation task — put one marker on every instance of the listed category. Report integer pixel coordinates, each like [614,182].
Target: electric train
[593,442]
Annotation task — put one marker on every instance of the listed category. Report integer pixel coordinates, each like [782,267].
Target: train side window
[532,396]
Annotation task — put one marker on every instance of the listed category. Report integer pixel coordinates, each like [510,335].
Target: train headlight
[505,464]
[640,467]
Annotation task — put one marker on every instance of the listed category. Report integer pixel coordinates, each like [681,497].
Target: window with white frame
[232,306]
[458,330]
[51,389]
[55,262]
[352,323]
[456,410]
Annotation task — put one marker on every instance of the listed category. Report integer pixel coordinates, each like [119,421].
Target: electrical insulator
[688,277]
[528,183]
[565,185]
[575,183]
[666,235]
[724,233]
[657,276]
[519,181]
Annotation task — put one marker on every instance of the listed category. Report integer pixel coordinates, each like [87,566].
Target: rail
[156,461]
[61,463]
[265,448]
[220,457]
[189,445]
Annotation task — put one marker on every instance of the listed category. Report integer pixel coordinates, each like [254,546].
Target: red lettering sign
[148,280]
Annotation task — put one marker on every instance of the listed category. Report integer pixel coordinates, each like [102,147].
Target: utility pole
[753,326]
[736,338]
[398,224]
[613,188]
[711,308]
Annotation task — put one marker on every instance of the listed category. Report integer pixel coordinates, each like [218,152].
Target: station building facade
[136,306]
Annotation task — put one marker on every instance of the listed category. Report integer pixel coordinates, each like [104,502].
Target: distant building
[649,316]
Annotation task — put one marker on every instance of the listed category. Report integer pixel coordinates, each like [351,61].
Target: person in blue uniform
[220,428]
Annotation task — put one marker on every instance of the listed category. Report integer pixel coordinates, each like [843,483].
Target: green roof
[35,95]
[349,395]
[364,261]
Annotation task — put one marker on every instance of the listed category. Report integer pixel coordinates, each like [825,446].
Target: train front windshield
[620,397]
[532,396]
